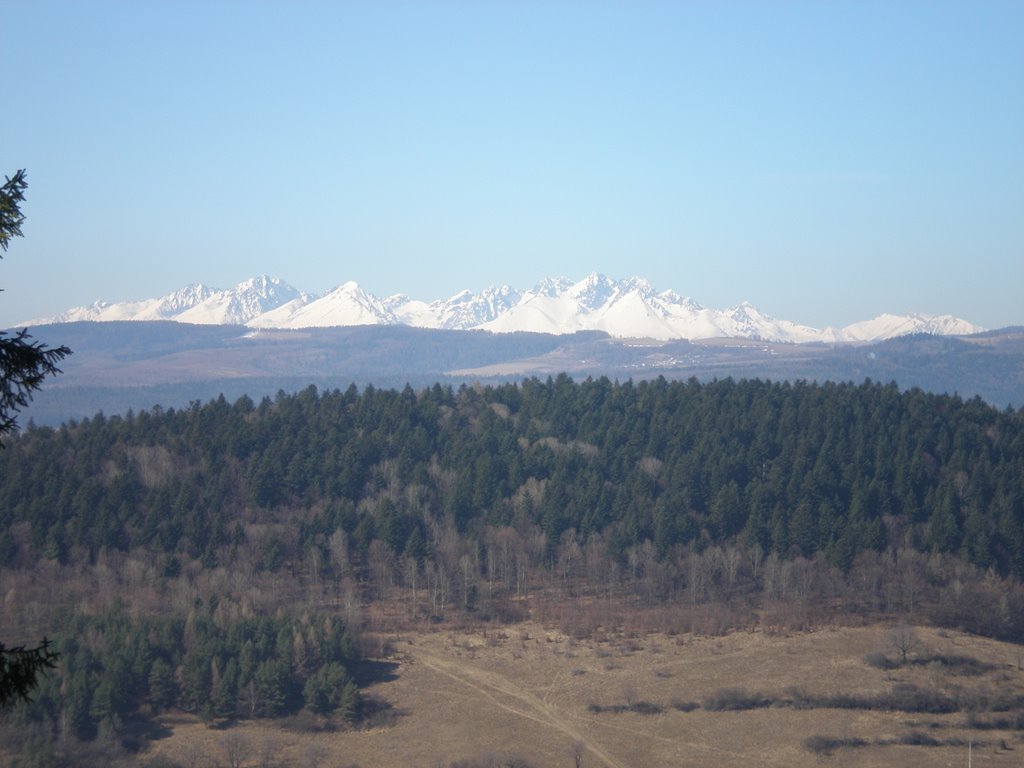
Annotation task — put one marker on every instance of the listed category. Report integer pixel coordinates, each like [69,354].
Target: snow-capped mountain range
[628,308]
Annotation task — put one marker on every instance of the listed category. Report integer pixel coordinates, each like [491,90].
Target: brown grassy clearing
[525,689]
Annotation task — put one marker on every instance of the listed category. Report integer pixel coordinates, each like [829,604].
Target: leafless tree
[380,558]
[911,577]
[350,603]
[270,752]
[438,584]
[629,694]
[337,544]
[755,558]
[731,559]
[569,554]
[410,572]
[190,755]
[698,576]
[251,697]
[903,640]
[316,562]
[236,749]
[468,570]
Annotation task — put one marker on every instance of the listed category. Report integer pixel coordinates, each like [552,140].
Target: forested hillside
[220,558]
[798,469]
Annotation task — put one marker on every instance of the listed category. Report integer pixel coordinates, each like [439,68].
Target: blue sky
[826,161]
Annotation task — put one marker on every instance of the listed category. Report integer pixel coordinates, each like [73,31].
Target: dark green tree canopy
[799,469]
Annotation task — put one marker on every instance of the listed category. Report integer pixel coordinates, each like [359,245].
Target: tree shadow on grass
[138,732]
[369,671]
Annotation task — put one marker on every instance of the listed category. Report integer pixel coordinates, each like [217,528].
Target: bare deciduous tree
[337,545]
[629,694]
[270,752]
[236,749]
[903,640]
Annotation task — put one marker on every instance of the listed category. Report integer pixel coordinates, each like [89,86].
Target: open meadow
[529,694]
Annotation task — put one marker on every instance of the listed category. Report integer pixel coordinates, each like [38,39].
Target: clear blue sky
[826,161]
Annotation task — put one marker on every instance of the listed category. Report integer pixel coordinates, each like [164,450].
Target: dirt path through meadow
[513,698]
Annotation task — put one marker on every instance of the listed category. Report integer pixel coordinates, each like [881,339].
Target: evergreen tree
[162,688]
[24,364]
[325,690]
[273,687]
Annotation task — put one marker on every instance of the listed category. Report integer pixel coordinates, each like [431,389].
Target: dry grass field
[530,691]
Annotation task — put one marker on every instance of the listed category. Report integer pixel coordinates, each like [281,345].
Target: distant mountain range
[628,308]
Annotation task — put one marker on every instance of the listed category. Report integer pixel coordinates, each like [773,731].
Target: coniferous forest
[234,559]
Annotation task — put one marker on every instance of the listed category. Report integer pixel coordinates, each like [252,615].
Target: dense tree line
[213,663]
[798,469]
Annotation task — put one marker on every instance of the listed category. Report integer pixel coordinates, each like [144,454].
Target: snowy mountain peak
[241,304]
[887,326]
[639,285]
[348,304]
[593,291]
[186,298]
[551,286]
[468,310]
[630,308]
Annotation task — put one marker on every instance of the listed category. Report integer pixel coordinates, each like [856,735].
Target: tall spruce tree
[24,364]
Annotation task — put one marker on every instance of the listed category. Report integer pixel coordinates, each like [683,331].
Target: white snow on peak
[348,304]
[165,308]
[594,291]
[241,304]
[468,310]
[887,326]
[551,286]
[414,312]
[627,308]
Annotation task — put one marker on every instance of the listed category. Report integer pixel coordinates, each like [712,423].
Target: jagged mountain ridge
[628,308]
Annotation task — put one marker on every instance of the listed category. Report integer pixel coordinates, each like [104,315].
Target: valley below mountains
[264,336]
[118,366]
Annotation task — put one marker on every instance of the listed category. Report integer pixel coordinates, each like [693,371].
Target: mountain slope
[348,304]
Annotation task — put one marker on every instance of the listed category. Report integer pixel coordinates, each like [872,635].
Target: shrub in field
[918,739]
[905,697]
[646,708]
[735,699]
[684,706]
[826,745]
[957,664]
[637,707]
